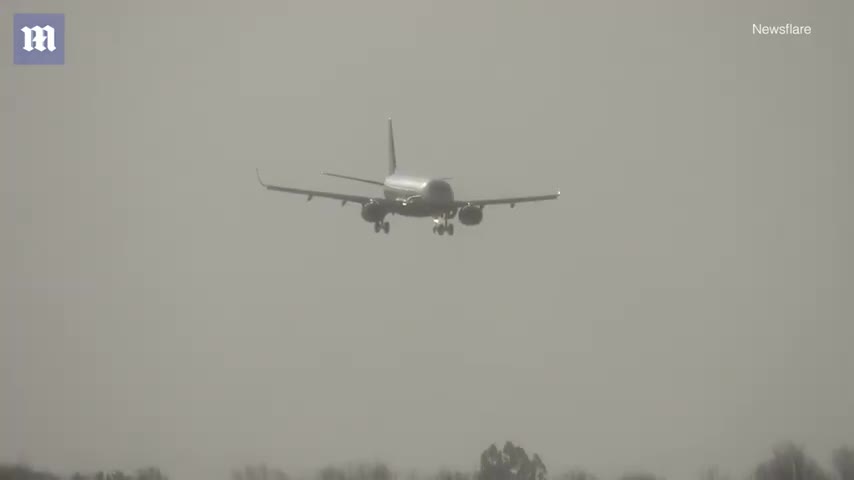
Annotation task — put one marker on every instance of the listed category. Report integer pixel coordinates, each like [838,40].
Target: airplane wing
[510,200]
[343,197]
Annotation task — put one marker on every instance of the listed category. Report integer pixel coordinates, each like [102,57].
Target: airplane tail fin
[392,159]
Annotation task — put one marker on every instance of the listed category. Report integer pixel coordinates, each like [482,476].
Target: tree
[790,462]
[510,463]
[843,462]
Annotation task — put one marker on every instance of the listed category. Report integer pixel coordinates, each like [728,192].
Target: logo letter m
[38,36]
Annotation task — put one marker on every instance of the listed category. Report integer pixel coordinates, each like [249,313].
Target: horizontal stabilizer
[357,179]
[342,197]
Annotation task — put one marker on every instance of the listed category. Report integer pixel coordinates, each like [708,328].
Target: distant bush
[451,475]
[258,472]
[843,462]
[790,462]
[362,471]
[24,472]
[577,474]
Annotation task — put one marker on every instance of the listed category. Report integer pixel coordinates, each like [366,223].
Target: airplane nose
[439,192]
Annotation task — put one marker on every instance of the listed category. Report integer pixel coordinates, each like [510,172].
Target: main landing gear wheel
[381,227]
[377,227]
[441,225]
[386,227]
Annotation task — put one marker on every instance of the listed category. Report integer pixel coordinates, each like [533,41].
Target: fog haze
[686,302]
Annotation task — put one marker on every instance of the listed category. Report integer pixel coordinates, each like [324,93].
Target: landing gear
[384,226]
[441,225]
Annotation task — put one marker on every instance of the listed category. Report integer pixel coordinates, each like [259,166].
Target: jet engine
[373,212]
[470,215]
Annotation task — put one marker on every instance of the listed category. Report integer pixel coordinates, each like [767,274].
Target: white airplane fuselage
[418,196]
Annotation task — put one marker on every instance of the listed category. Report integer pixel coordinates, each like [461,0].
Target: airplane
[411,197]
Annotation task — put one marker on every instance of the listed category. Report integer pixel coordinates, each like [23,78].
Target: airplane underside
[441,225]
[421,211]
[441,217]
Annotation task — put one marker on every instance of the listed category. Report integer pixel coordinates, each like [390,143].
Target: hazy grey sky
[688,300]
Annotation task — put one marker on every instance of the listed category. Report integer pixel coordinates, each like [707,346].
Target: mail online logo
[39,39]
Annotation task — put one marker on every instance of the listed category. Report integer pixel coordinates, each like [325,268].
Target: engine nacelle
[373,212]
[470,215]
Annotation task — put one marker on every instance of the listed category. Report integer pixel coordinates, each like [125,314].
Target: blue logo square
[39,39]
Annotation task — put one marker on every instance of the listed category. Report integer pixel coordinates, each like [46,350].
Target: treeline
[788,462]
[24,472]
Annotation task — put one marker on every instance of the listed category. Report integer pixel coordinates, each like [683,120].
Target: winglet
[258,174]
